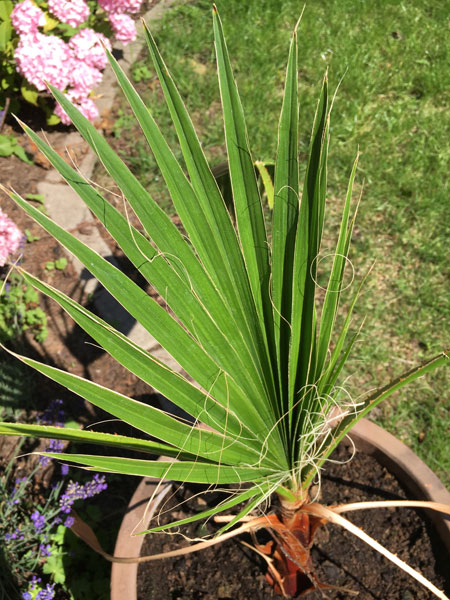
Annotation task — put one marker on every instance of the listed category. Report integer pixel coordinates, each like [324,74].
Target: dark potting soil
[231,571]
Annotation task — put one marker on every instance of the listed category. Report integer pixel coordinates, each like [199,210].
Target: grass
[391,60]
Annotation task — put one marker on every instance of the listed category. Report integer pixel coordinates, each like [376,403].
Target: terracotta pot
[420,481]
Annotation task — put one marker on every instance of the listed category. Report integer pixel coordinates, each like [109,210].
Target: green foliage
[29,93]
[140,72]
[15,389]
[252,327]
[69,557]
[21,540]
[9,80]
[5,24]
[60,264]
[9,145]
[40,199]
[30,237]
[20,312]
[54,565]
[36,197]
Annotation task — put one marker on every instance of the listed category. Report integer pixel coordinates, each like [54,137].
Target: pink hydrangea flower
[123,26]
[74,67]
[26,17]
[86,47]
[89,109]
[72,12]
[10,238]
[42,58]
[85,105]
[83,78]
[120,6]
[61,113]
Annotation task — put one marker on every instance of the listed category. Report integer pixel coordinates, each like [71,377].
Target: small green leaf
[267,181]
[72,424]
[49,265]
[52,120]
[30,237]
[7,145]
[5,34]
[29,92]
[6,7]
[50,23]
[20,152]
[61,263]
[37,197]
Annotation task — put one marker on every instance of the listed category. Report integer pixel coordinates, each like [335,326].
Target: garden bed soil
[231,571]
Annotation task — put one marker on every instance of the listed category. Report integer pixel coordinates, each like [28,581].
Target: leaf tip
[298,21]
[4,189]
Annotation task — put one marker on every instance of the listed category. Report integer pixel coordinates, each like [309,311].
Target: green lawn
[391,58]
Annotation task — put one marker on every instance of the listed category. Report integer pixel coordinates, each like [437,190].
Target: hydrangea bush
[60,42]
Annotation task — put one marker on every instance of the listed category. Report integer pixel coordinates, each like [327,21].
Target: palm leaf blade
[156,374]
[159,323]
[184,471]
[203,237]
[92,437]
[148,419]
[285,216]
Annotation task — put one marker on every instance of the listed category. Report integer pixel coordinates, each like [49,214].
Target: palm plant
[267,409]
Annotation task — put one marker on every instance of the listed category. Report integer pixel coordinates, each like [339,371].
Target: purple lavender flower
[54,414]
[95,486]
[54,446]
[69,521]
[72,493]
[27,595]
[38,520]
[22,243]
[16,535]
[44,461]
[75,491]
[12,500]
[45,549]
[64,469]
[46,594]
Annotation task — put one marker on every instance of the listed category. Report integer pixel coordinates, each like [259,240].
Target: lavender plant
[268,408]
[32,534]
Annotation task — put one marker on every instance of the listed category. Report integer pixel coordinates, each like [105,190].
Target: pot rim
[367,437]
